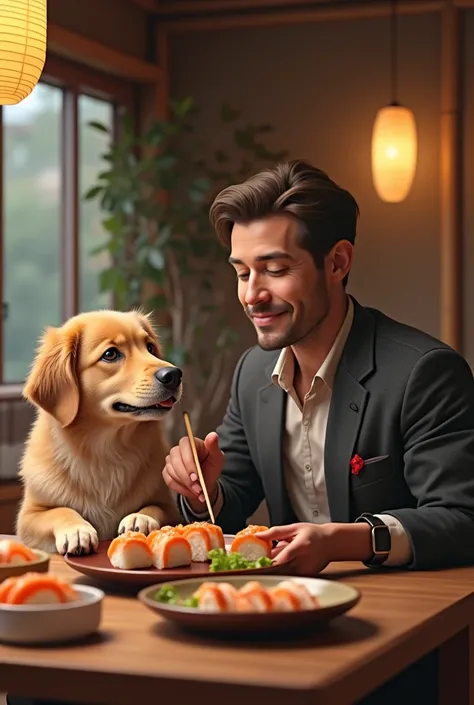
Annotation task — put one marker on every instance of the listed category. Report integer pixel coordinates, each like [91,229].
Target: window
[32,225]
[92,144]
[50,158]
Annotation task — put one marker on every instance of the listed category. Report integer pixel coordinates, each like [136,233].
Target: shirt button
[306,422]
[307,466]
[315,513]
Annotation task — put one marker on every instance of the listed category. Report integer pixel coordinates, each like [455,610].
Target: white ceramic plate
[46,624]
[334,599]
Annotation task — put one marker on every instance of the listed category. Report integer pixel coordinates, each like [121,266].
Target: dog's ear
[52,383]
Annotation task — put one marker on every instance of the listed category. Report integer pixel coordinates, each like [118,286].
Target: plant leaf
[96,125]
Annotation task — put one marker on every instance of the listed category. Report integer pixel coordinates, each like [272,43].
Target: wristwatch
[381,539]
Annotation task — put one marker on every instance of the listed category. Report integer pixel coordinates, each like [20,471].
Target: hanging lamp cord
[394,52]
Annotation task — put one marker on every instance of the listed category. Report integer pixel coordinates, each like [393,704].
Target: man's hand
[305,545]
[180,470]
[311,547]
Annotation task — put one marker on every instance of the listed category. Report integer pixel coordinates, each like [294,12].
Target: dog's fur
[89,471]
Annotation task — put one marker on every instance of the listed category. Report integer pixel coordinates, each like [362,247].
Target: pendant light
[22,48]
[394,139]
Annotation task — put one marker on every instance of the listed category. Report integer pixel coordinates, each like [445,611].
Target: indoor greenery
[155,192]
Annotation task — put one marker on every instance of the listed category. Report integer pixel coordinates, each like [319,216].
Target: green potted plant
[155,193]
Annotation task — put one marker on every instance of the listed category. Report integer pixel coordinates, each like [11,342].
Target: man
[356,429]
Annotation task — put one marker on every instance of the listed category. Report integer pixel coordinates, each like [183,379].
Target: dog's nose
[170,377]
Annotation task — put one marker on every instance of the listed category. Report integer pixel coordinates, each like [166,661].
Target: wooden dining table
[136,657]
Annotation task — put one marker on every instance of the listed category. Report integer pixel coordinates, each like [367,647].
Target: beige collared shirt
[303,445]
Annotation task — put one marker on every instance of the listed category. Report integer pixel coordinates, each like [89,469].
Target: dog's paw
[77,540]
[138,522]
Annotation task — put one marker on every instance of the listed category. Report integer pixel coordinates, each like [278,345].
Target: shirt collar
[284,370]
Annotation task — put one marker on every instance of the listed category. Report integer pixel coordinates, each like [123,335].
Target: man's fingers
[173,481]
[289,552]
[279,548]
[180,472]
[279,533]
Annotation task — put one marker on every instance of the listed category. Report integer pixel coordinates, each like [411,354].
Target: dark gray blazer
[404,402]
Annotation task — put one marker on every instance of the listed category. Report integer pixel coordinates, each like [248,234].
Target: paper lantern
[394,152]
[22,48]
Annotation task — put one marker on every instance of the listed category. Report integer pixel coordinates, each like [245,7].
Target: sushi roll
[171,550]
[217,597]
[217,536]
[36,589]
[130,551]
[163,530]
[200,539]
[289,596]
[257,597]
[306,599]
[249,546]
[14,552]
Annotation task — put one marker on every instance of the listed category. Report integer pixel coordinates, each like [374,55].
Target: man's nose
[255,294]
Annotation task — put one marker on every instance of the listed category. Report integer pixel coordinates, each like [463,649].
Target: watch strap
[381,539]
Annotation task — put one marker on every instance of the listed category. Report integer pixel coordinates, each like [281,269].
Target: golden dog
[93,462]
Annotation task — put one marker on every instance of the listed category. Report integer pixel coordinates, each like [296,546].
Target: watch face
[382,539]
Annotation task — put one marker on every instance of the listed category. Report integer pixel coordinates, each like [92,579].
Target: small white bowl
[47,624]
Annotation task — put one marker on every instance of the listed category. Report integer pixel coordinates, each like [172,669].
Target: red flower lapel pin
[357,463]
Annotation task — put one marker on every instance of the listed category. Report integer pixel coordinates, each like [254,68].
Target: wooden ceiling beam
[75,47]
[202,15]
[197,7]
[147,5]
[296,13]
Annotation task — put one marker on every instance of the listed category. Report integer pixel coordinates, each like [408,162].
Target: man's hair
[325,212]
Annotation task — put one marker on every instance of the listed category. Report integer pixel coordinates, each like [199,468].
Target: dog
[93,460]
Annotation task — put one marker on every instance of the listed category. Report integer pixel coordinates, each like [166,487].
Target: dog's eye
[151,349]
[111,355]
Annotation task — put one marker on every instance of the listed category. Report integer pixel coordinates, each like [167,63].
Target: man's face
[283,293]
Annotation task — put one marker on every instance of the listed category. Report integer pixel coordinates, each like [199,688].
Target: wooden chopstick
[198,465]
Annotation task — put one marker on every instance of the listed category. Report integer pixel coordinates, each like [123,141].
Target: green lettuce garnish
[220,561]
[166,594]
[190,602]
[169,595]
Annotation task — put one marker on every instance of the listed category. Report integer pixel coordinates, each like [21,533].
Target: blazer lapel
[348,404]
[270,424]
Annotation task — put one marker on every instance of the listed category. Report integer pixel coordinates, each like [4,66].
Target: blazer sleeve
[437,425]
[240,483]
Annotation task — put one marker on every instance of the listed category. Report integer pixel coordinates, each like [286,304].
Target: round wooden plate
[98,566]
[334,598]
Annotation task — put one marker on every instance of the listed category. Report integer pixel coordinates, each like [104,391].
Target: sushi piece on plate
[171,550]
[14,552]
[290,596]
[256,597]
[130,551]
[217,597]
[306,599]
[249,546]
[36,589]
[200,539]
[163,530]
[217,536]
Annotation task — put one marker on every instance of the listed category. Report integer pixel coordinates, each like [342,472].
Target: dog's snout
[170,377]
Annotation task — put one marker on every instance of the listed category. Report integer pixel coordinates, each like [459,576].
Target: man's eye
[276,272]
[243,277]
[111,355]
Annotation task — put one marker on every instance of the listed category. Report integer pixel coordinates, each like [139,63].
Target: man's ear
[52,383]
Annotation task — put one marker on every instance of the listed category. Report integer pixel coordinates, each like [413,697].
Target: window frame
[75,80]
